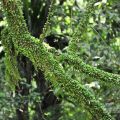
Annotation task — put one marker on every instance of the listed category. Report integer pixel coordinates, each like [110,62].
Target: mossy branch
[80,29]
[47,24]
[42,59]
[14,15]
[11,72]
[108,78]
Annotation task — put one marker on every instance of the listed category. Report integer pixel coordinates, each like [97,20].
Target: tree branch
[80,29]
[42,59]
[91,71]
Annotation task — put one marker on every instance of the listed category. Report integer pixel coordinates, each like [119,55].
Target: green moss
[12,73]
[41,59]
[13,12]
[33,49]
[108,78]
[46,26]
[80,29]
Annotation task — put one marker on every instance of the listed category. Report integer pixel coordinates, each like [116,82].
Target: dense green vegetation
[60,60]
